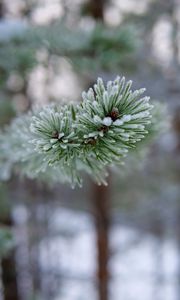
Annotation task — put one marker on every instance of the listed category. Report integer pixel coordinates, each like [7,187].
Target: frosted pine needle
[60,141]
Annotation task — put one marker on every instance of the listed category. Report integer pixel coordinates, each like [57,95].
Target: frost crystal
[107,121]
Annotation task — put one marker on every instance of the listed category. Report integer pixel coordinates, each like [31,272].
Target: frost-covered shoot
[60,141]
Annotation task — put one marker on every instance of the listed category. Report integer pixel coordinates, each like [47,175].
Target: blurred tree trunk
[9,279]
[175,35]
[176,124]
[9,275]
[174,83]
[96,9]
[8,264]
[177,233]
[101,201]
[1,9]
[32,192]
[159,280]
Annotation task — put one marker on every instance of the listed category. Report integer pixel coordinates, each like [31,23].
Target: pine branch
[100,48]
[58,142]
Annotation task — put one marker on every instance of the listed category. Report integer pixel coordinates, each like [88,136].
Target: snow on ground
[134,265]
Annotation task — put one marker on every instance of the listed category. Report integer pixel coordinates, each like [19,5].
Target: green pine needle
[59,141]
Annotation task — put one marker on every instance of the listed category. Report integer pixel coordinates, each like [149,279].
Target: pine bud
[114,114]
[55,134]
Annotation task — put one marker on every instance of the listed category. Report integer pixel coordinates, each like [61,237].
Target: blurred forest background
[52,50]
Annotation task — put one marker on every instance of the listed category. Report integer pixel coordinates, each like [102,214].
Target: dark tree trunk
[9,276]
[177,232]
[101,201]
[1,9]
[175,33]
[176,125]
[96,9]
[159,280]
